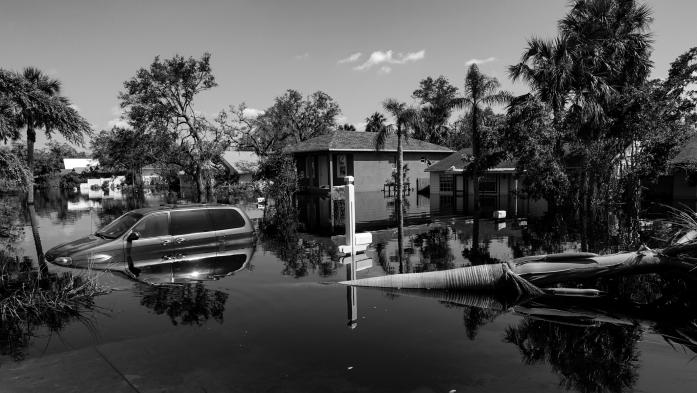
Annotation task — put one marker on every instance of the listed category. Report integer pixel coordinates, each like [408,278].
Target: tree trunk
[31,139]
[400,197]
[476,154]
[200,185]
[43,267]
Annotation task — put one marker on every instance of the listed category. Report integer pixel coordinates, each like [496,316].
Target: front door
[153,244]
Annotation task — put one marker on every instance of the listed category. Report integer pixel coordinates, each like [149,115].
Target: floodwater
[282,323]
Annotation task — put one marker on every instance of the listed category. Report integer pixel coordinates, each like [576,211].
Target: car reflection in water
[192,269]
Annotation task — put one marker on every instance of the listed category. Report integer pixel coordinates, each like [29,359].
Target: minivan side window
[190,221]
[226,219]
[153,226]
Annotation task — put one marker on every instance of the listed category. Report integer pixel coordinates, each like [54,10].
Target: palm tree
[375,122]
[37,103]
[480,92]
[405,118]
[547,67]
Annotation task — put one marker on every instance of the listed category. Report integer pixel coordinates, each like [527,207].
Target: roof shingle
[457,160]
[360,141]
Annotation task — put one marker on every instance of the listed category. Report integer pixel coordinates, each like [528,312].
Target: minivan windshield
[117,227]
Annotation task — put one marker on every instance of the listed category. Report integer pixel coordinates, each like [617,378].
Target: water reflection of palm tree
[405,117]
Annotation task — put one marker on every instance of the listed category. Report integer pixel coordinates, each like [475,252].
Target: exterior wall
[434,183]
[373,169]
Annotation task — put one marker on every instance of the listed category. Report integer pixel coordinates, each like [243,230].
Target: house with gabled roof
[499,187]
[243,164]
[324,161]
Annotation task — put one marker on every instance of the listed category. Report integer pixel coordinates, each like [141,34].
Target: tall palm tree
[375,122]
[547,67]
[37,104]
[480,93]
[405,117]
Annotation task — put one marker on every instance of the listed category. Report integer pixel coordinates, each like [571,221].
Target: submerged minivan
[157,235]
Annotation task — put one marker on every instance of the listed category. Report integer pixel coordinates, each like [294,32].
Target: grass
[30,301]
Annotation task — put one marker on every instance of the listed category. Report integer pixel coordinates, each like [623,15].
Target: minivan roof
[146,210]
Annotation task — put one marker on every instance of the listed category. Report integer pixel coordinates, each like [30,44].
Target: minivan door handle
[180,240]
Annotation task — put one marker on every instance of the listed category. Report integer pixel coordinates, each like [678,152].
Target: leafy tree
[126,149]
[291,119]
[49,161]
[13,172]
[480,92]
[346,127]
[438,99]
[530,136]
[590,78]
[375,122]
[32,101]
[489,130]
[160,100]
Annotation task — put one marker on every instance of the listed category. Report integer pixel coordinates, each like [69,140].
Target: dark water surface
[281,323]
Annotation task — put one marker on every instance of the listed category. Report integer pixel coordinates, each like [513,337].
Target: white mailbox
[363,238]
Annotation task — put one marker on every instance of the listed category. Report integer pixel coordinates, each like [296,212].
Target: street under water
[282,323]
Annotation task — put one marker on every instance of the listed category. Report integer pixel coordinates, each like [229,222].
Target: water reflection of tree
[436,253]
[301,256]
[587,359]
[185,304]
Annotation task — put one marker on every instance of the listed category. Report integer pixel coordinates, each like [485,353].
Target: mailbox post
[350,221]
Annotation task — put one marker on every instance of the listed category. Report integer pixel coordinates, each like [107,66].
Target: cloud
[480,61]
[389,57]
[252,113]
[385,70]
[351,58]
[302,56]
[119,122]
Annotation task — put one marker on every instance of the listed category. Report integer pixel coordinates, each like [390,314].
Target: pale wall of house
[372,169]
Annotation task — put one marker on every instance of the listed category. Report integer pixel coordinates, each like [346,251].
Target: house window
[488,185]
[446,183]
[341,165]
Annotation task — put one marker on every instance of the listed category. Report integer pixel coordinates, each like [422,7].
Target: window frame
[204,213]
[451,182]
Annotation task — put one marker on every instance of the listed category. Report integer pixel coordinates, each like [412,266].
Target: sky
[360,52]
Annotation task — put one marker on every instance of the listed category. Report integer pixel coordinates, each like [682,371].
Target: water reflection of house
[243,164]
[323,161]
[451,187]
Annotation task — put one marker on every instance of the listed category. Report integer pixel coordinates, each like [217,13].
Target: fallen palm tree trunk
[527,274]
[477,278]
[479,299]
